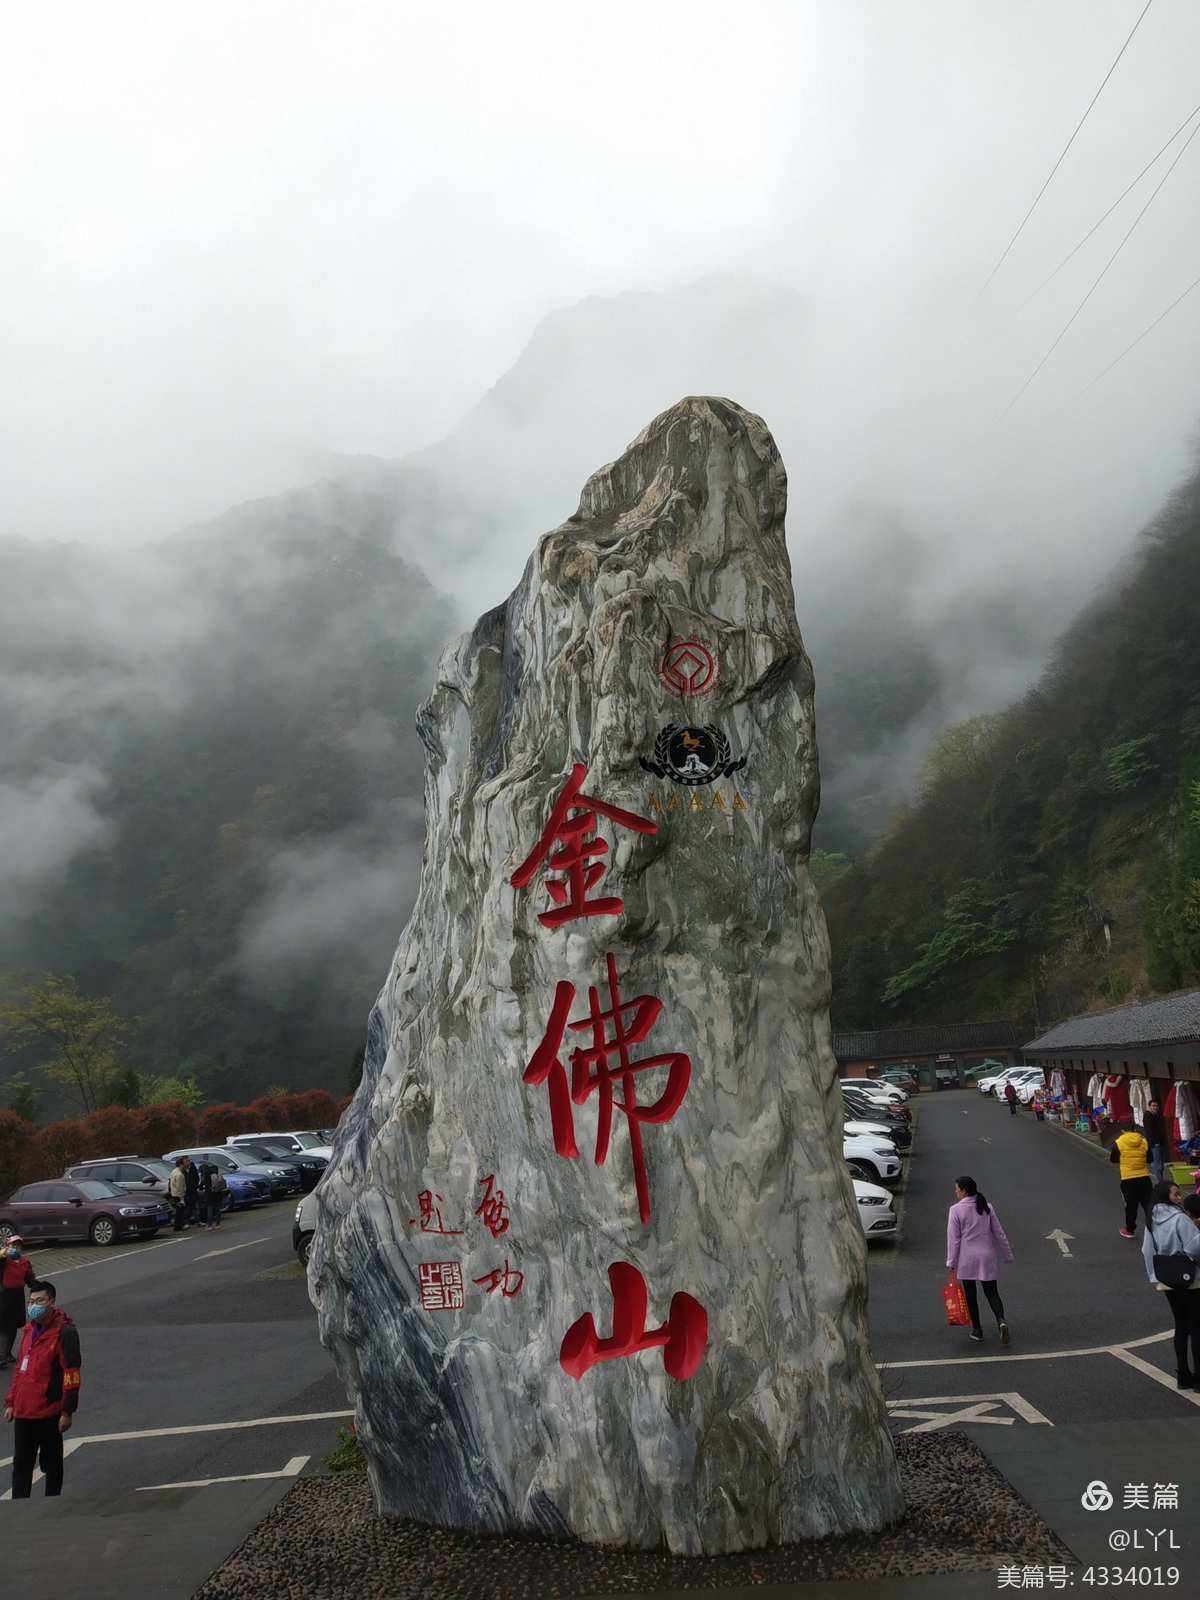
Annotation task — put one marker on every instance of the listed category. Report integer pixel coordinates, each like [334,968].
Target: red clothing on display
[1116,1097]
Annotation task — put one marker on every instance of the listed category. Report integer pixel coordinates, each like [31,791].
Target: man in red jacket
[44,1392]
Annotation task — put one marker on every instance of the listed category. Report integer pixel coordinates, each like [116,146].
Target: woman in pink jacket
[975,1241]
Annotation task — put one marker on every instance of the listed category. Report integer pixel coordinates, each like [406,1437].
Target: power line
[1111,209]
[1065,148]
[1066,327]
[1146,330]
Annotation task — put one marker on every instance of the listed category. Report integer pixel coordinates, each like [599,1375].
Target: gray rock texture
[653,640]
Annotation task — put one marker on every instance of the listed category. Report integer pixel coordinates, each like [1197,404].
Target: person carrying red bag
[44,1392]
[975,1242]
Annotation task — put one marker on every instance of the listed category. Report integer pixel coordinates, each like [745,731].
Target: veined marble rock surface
[652,641]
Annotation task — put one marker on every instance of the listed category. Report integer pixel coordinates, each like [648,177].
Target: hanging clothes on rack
[1187,1109]
[1058,1082]
[1139,1098]
[1116,1097]
[1095,1089]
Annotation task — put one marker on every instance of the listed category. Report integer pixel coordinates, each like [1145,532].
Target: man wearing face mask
[44,1391]
[16,1271]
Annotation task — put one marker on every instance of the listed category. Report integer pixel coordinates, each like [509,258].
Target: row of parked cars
[876,1134]
[1025,1080]
[110,1198]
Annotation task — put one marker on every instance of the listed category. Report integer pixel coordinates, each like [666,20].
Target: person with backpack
[1171,1251]
[1131,1154]
[211,1192]
[975,1242]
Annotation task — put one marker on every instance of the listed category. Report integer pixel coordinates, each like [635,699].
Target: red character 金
[430,1206]
[683,1335]
[493,1208]
[507,1279]
[590,1070]
[576,835]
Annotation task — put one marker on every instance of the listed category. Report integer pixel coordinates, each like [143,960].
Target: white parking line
[209,1254]
[105,1260]
[1040,1355]
[291,1469]
[199,1427]
[1156,1373]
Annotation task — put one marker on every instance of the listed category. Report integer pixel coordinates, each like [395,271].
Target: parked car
[878,1105]
[1028,1087]
[1014,1075]
[876,1211]
[304,1142]
[88,1208]
[870,1158]
[283,1178]
[864,1115]
[309,1165]
[876,1086]
[901,1078]
[135,1174]
[303,1227]
[946,1078]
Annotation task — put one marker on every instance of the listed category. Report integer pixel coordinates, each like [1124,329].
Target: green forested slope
[1051,859]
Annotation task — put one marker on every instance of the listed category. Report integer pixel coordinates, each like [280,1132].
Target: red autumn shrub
[169,1126]
[216,1123]
[16,1148]
[314,1108]
[55,1148]
[270,1112]
[111,1131]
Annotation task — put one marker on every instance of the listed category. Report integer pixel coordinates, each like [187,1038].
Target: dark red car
[85,1208]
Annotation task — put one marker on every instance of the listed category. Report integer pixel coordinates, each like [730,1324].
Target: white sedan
[875,1209]
[870,1157]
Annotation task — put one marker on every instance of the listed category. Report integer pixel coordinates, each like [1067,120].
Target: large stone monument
[588,1256]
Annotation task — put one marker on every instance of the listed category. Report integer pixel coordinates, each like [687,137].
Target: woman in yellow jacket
[1131,1153]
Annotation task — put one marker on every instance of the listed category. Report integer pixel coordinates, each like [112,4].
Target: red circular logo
[689,668]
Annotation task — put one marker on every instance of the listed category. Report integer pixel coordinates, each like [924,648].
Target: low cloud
[45,823]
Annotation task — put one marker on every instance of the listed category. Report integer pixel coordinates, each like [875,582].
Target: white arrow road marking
[209,1254]
[983,1139]
[1060,1239]
[69,1448]
[967,1408]
[291,1469]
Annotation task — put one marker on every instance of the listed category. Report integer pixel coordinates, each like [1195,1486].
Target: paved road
[191,1332]
[1089,1334]
[212,1335]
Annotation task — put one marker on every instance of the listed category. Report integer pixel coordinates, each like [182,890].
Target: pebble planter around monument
[588,1257]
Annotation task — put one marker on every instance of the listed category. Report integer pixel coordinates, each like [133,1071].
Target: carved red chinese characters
[493,1208]
[441,1285]
[430,1206]
[509,1281]
[572,825]
[683,1335]
[591,1071]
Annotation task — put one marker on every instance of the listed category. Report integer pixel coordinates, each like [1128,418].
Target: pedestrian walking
[975,1243]
[1010,1094]
[16,1274]
[177,1194]
[1174,1230]
[1154,1128]
[44,1392]
[212,1194]
[1131,1153]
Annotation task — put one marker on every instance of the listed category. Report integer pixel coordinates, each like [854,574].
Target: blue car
[245,1190]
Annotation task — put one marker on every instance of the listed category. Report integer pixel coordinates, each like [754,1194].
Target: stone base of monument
[323,1542]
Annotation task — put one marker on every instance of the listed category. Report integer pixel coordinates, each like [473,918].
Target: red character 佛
[572,826]
[591,1070]
[683,1335]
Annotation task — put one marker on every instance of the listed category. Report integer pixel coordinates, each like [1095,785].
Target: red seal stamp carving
[688,668]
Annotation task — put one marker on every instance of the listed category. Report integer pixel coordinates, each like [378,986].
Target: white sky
[237,235]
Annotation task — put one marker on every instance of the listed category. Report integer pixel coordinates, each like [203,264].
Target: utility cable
[1070,320]
[1065,148]
[1071,253]
[1195,283]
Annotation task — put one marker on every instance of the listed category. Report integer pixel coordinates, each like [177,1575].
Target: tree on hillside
[75,1038]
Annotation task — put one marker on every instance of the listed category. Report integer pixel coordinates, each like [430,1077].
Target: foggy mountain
[209,780]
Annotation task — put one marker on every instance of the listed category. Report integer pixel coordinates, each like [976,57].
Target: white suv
[870,1157]
[876,1211]
[877,1088]
[301,1144]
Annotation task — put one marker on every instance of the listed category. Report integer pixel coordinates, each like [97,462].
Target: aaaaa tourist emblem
[692,755]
